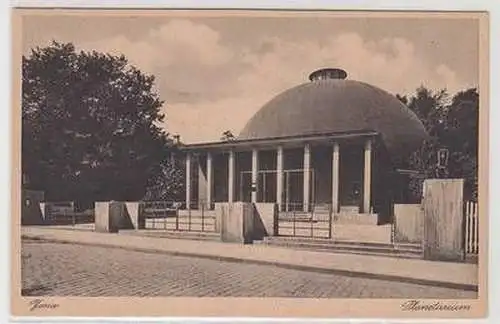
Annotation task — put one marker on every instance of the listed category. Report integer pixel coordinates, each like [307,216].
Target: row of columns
[280,178]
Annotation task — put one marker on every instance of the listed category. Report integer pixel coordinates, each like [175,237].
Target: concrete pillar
[335,177]
[210,184]
[443,232]
[307,177]
[255,168]
[367,182]
[279,177]
[230,178]
[202,184]
[188,181]
[236,222]
[135,213]
[103,220]
[110,217]
[265,220]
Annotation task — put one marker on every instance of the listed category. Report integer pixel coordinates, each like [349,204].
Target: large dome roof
[329,104]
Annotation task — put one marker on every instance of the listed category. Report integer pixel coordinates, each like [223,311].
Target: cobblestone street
[54,269]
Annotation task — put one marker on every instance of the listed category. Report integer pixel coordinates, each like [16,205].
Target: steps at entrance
[172,234]
[362,233]
[322,213]
[343,232]
[322,208]
[411,251]
[349,209]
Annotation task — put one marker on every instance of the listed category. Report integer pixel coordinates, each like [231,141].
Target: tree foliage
[452,124]
[168,183]
[89,125]
[227,136]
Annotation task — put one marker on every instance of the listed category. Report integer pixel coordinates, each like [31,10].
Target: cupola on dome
[331,103]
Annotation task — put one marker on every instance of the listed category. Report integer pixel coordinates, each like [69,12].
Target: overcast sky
[214,73]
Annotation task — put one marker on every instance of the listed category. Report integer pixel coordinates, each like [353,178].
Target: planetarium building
[327,144]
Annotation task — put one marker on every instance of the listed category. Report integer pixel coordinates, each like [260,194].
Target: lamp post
[442,163]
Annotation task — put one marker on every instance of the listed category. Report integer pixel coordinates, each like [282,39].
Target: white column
[210,184]
[188,181]
[255,168]
[279,177]
[307,176]
[335,177]
[367,182]
[230,178]
[202,185]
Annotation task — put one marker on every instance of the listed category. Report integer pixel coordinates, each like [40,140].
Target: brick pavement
[76,270]
[449,274]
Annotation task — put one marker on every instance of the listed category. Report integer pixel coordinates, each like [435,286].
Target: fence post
[154,207]
[393,230]
[202,217]
[293,217]
[73,220]
[164,214]
[330,221]
[177,208]
[468,226]
[189,218]
[476,229]
[312,220]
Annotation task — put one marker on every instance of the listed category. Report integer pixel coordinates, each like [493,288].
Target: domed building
[328,144]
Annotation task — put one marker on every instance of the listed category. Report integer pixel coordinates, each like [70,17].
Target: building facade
[327,144]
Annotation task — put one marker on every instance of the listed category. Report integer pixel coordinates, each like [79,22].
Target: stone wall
[110,217]
[235,221]
[265,220]
[239,222]
[355,218]
[31,212]
[443,219]
[408,223]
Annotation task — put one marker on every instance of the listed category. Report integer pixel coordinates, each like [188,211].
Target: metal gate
[168,216]
[294,189]
[316,223]
[292,198]
[266,185]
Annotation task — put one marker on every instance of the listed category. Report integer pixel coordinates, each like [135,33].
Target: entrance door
[294,189]
[351,177]
[245,186]
[266,186]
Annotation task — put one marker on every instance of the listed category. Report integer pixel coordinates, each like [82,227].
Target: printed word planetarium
[330,143]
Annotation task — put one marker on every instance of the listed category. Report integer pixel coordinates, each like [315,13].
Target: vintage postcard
[241,163]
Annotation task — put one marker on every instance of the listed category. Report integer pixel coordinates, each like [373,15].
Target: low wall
[32,213]
[103,222]
[265,220]
[408,223]
[110,217]
[135,213]
[238,222]
[195,212]
[235,221]
[357,219]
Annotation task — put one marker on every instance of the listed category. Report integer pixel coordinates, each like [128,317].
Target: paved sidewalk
[445,274]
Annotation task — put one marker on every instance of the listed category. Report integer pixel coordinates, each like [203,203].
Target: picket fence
[471,228]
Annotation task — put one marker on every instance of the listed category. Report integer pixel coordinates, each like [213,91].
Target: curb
[346,273]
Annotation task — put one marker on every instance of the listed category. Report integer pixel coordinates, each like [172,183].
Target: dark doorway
[351,176]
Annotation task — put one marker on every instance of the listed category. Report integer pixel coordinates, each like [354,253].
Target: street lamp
[442,163]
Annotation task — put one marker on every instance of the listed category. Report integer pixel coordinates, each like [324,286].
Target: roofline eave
[285,140]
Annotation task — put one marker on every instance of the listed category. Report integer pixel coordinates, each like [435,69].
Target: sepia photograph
[186,162]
